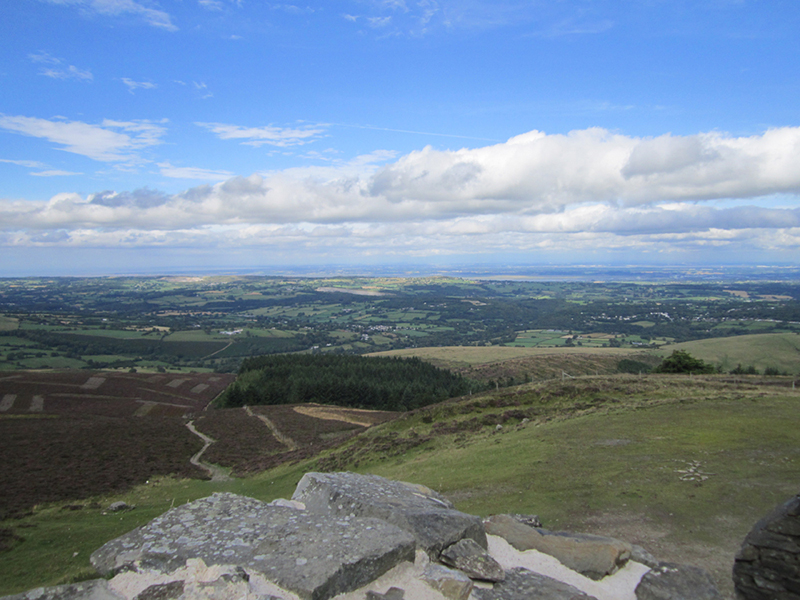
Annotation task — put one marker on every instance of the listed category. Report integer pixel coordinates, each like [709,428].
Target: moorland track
[277,434]
[217,474]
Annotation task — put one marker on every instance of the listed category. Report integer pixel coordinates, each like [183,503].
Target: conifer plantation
[396,384]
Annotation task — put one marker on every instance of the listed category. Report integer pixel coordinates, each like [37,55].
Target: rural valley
[525,396]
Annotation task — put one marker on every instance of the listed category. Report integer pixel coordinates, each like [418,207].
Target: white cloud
[111,141]
[55,70]
[282,137]
[71,72]
[31,164]
[134,85]
[584,191]
[167,170]
[114,8]
[54,173]
[211,4]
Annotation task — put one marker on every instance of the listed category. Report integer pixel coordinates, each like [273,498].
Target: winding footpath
[217,473]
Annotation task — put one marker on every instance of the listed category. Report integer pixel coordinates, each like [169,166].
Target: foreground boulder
[767,566]
[310,554]
[668,581]
[521,584]
[429,517]
[590,555]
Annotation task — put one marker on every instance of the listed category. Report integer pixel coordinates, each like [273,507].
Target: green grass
[8,323]
[780,350]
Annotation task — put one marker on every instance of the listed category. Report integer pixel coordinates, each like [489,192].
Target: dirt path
[217,473]
[281,437]
[218,351]
[332,414]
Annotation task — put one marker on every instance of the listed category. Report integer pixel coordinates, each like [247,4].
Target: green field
[778,350]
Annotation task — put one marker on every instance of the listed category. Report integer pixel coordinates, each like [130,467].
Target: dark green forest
[396,384]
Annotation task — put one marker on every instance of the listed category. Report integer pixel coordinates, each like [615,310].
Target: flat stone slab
[429,517]
[313,555]
[521,584]
[590,555]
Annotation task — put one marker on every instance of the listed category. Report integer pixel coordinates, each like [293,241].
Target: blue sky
[140,135]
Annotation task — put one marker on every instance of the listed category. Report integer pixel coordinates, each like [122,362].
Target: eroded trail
[281,437]
[217,473]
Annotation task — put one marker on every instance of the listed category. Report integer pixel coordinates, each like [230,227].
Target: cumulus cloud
[111,141]
[258,136]
[535,192]
[115,8]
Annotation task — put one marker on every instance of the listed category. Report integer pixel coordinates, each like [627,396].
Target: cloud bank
[587,189]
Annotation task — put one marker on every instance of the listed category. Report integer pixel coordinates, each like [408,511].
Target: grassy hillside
[683,466]
[506,365]
[779,350]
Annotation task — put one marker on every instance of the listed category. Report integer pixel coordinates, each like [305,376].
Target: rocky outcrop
[429,517]
[354,537]
[767,567]
[305,552]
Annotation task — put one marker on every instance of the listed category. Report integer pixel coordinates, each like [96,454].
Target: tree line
[377,383]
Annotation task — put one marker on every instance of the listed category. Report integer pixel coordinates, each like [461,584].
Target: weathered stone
[590,555]
[119,506]
[467,556]
[768,562]
[162,591]
[521,584]
[312,555]
[451,584]
[529,520]
[430,518]
[677,582]
[393,593]
[96,589]
[642,556]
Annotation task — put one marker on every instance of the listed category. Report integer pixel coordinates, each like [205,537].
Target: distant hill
[777,350]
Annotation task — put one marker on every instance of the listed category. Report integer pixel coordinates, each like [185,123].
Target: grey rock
[162,591]
[451,584]
[669,581]
[96,589]
[430,518]
[467,556]
[313,555]
[521,584]
[529,520]
[767,566]
[593,556]
[119,506]
[393,593]
[640,555]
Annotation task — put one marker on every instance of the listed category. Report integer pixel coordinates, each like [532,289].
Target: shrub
[681,361]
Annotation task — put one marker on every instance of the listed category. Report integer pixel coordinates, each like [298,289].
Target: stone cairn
[342,534]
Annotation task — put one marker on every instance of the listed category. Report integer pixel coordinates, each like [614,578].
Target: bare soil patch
[355,416]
